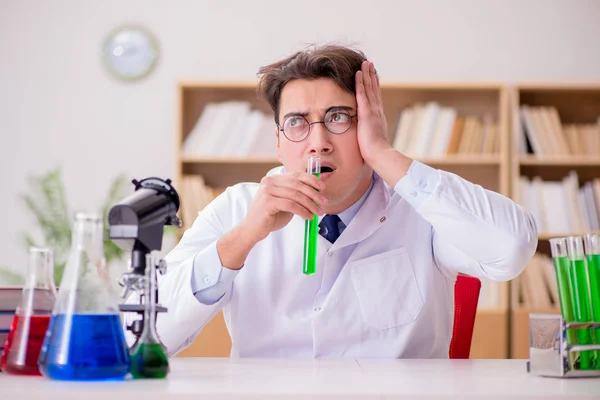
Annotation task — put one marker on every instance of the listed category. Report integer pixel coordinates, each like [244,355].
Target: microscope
[136,224]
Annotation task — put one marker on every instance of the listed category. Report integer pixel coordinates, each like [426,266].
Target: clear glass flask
[148,355]
[29,326]
[85,339]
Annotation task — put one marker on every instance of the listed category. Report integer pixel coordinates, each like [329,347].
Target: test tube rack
[549,352]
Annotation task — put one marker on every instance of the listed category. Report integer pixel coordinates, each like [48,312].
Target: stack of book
[9,300]
[544,135]
[536,287]
[433,130]
[195,195]
[231,129]
[561,207]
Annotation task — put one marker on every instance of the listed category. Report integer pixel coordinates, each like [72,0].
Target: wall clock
[130,52]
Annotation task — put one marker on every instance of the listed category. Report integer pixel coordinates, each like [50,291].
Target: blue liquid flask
[85,338]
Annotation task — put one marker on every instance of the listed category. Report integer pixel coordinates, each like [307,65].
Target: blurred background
[63,111]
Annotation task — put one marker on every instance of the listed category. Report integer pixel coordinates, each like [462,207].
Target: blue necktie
[331,224]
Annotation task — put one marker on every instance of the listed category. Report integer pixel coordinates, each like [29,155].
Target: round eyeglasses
[296,128]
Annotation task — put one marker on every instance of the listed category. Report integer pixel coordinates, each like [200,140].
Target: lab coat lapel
[370,217]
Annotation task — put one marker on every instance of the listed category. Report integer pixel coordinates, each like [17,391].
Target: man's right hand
[279,197]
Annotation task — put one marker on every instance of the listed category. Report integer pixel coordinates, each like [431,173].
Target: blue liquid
[85,347]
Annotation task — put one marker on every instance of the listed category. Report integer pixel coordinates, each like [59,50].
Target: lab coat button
[423,184]
[413,193]
[207,279]
[317,309]
[329,253]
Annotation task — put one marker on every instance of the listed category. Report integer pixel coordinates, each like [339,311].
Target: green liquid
[561,269]
[581,307]
[594,273]
[311,232]
[149,360]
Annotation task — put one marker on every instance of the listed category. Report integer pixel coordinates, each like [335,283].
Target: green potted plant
[47,203]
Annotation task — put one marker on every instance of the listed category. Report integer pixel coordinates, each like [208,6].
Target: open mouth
[327,169]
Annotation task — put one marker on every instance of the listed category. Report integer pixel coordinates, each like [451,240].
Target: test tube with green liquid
[592,251]
[311,226]
[560,259]
[580,295]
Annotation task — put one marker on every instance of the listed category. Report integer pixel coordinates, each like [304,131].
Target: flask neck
[88,235]
[149,334]
[40,270]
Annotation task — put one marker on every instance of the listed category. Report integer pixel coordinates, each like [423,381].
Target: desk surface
[207,378]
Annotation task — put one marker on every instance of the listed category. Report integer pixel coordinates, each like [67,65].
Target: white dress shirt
[384,289]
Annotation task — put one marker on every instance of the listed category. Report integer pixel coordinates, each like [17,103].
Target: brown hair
[331,61]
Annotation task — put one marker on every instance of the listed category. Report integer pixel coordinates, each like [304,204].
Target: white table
[223,378]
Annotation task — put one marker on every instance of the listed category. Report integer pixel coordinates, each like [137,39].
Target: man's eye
[337,116]
[295,122]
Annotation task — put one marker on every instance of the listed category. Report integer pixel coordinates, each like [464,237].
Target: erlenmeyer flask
[32,315]
[148,355]
[85,340]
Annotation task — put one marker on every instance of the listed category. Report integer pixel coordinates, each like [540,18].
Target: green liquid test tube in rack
[592,251]
[311,227]
[580,296]
[560,259]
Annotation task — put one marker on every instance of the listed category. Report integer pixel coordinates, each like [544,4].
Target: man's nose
[319,139]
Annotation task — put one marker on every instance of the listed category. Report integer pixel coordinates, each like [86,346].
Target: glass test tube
[580,295]
[592,251]
[311,227]
[560,259]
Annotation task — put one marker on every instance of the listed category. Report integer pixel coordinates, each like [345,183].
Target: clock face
[130,52]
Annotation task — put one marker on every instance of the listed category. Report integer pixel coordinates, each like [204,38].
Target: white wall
[58,107]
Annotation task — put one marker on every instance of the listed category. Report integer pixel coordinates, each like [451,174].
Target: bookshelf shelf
[555,166]
[571,161]
[548,236]
[230,160]
[462,160]
[491,169]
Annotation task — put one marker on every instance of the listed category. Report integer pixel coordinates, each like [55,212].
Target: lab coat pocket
[387,289]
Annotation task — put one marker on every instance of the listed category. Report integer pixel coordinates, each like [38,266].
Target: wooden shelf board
[451,160]
[230,160]
[546,236]
[493,311]
[462,160]
[575,161]
[251,84]
[566,86]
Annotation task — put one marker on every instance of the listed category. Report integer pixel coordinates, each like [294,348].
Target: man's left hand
[372,125]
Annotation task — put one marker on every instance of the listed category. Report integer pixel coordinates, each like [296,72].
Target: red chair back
[466,296]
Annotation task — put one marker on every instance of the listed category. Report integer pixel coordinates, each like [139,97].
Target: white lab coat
[383,289]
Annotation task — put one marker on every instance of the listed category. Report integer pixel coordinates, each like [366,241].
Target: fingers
[301,189]
[368,81]
[293,207]
[307,203]
[361,96]
[376,87]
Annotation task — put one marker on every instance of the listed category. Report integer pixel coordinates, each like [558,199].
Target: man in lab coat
[394,233]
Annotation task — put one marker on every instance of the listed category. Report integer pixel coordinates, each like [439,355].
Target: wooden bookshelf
[492,171]
[575,103]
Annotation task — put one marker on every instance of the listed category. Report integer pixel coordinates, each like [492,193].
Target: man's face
[340,153]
